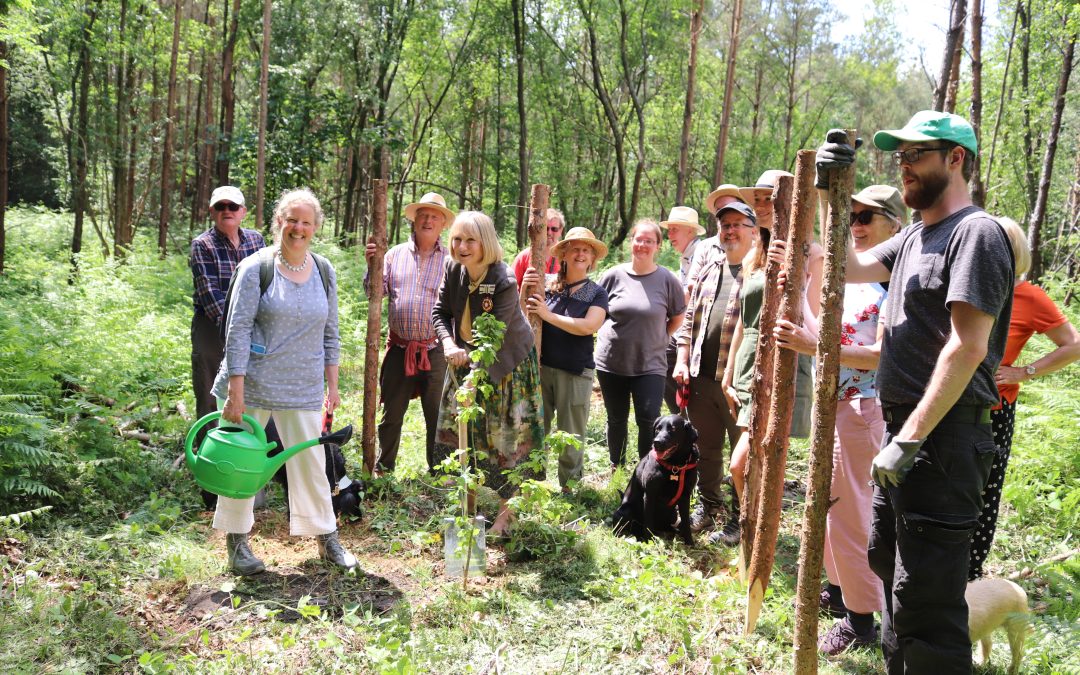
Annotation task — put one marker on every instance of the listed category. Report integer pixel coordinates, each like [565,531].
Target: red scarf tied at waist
[416,358]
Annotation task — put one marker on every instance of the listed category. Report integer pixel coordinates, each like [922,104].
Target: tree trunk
[523,149]
[228,93]
[785,363]
[200,209]
[1039,213]
[166,153]
[4,141]
[957,14]
[81,143]
[1001,97]
[791,68]
[1029,142]
[121,224]
[978,188]
[826,380]
[954,73]
[374,320]
[688,109]
[264,96]
[729,93]
[538,207]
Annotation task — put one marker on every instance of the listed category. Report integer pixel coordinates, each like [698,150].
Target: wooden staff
[374,321]
[841,185]
[761,389]
[777,433]
[538,207]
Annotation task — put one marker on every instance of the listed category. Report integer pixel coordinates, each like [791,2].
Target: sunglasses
[554,229]
[913,155]
[221,206]
[864,217]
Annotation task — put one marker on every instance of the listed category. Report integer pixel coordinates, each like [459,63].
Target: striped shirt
[213,261]
[411,283]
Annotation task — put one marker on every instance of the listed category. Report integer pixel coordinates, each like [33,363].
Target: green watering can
[235,462]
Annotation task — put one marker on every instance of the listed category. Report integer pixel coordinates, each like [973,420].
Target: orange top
[1032,312]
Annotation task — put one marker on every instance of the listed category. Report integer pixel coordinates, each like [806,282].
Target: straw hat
[683,215]
[432,200]
[725,190]
[766,183]
[580,234]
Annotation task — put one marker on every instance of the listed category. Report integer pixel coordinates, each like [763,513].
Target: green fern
[24,439]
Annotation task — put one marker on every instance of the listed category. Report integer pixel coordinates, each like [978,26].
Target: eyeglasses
[556,229]
[221,206]
[735,226]
[864,217]
[913,155]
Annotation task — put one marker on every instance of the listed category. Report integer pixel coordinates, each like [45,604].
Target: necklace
[292,268]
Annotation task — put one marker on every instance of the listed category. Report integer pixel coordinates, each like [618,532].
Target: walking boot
[330,549]
[241,560]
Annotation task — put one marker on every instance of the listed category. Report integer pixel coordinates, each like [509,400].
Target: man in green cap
[950,286]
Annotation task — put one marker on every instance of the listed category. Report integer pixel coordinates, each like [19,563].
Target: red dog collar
[679,471]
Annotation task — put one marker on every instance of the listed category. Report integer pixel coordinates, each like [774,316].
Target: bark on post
[374,320]
[841,184]
[774,445]
[264,95]
[761,389]
[538,207]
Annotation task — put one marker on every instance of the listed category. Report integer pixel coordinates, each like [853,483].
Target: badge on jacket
[486,293]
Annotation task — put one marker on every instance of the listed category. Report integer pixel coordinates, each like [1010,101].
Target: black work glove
[893,463]
[834,153]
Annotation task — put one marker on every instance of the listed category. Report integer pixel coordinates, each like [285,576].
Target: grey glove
[893,463]
[834,153]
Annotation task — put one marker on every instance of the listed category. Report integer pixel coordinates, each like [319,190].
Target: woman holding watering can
[281,358]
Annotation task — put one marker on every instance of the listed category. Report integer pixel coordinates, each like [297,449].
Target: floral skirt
[510,429]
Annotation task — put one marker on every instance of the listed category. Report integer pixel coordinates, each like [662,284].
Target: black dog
[345,493]
[662,484]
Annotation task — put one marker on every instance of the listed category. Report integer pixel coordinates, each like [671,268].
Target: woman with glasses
[853,592]
[645,307]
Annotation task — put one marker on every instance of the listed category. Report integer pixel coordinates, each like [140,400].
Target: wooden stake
[538,207]
[841,185]
[374,320]
[761,389]
[775,443]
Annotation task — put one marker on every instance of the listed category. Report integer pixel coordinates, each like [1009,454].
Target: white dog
[993,603]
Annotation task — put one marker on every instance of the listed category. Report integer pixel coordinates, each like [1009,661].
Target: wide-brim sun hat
[431,200]
[884,197]
[929,125]
[227,193]
[725,190]
[765,183]
[580,234]
[683,215]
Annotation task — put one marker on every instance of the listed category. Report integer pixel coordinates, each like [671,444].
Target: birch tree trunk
[688,108]
[811,552]
[374,320]
[1039,214]
[264,93]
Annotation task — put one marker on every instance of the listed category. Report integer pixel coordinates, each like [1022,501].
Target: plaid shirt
[213,261]
[411,284]
[709,283]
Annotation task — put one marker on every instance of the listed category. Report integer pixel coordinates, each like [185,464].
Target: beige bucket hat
[765,183]
[725,190]
[431,200]
[683,215]
[580,234]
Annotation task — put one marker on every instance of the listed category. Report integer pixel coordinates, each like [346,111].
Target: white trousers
[310,510]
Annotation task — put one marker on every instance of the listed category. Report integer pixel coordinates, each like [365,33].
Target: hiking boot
[833,606]
[730,535]
[703,519]
[241,560]
[842,637]
[330,549]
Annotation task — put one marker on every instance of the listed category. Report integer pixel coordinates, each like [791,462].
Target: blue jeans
[920,541]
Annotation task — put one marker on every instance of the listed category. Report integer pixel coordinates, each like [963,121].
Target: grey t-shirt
[932,266]
[281,342]
[633,340]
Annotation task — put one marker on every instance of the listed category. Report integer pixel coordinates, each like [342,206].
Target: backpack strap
[266,277]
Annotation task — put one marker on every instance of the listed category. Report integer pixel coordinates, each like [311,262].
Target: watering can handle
[253,424]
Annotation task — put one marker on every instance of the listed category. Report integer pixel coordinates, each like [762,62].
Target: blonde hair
[1020,246]
[286,201]
[476,224]
[758,254]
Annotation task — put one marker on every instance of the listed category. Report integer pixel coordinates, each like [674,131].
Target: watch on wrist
[1030,370]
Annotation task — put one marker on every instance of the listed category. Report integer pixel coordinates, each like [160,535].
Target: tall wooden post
[374,320]
[264,96]
[538,206]
[841,185]
[761,389]
[775,443]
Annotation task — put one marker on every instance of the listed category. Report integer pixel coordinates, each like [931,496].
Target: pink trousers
[859,430]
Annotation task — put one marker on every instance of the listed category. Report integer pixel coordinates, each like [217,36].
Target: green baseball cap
[929,125]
